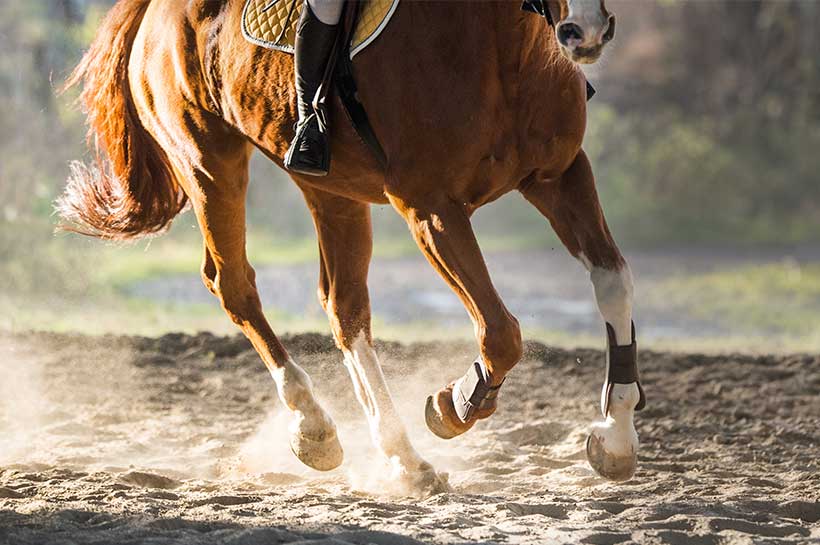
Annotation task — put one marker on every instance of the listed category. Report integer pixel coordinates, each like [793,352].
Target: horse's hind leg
[442,230]
[345,244]
[571,205]
[217,189]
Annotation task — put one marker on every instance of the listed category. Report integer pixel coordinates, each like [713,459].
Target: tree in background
[708,122]
[38,41]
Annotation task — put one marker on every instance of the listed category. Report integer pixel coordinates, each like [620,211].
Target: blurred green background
[705,138]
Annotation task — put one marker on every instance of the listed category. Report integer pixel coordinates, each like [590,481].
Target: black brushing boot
[309,152]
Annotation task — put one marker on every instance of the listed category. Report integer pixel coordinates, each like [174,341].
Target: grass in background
[766,307]
[121,266]
[68,283]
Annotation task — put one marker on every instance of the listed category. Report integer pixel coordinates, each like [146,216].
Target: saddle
[272,23]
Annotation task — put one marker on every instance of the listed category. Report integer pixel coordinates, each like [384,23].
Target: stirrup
[309,151]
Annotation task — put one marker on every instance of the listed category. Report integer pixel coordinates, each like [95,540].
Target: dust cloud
[22,404]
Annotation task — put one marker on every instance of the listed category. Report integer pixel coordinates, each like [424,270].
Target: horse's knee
[501,344]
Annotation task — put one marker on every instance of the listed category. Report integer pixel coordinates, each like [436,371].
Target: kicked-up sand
[182,439]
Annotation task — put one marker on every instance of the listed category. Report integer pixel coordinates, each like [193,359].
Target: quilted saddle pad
[272,23]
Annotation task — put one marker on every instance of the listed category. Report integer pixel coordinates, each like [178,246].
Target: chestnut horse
[471,100]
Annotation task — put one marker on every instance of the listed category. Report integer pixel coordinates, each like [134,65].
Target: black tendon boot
[309,152]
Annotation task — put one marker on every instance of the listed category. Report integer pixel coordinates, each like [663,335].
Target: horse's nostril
[610,31]
[570,34]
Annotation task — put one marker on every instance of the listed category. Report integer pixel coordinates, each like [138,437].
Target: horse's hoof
[441,416]
[323,452]
[425,482]
[435,423]
[608,465]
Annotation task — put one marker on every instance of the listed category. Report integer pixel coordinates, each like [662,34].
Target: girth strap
[622,366]
[474,391]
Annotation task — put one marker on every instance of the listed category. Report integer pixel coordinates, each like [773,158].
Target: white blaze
[589,15]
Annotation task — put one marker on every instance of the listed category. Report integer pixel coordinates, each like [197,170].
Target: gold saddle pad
[272,23]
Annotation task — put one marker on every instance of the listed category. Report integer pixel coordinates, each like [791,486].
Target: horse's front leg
[572,207]
[345,242]
[442,230]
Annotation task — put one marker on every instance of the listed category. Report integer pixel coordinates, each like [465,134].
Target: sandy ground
[181,440]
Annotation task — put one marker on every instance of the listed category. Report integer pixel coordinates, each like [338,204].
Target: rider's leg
[309,152]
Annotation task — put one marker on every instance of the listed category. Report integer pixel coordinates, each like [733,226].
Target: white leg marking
[313,436]
[296,392]
[614,293]
[386,428]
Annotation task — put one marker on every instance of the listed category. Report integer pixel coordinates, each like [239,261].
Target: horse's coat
[469,101]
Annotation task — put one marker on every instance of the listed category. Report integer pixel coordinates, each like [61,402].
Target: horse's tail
[132,189]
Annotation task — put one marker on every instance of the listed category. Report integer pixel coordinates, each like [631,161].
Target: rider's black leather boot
[309,152]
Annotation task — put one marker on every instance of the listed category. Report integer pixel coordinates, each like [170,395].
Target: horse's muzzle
[583,45]
[583,55]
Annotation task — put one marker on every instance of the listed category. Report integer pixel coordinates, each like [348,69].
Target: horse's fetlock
[502,345]
[294,387]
